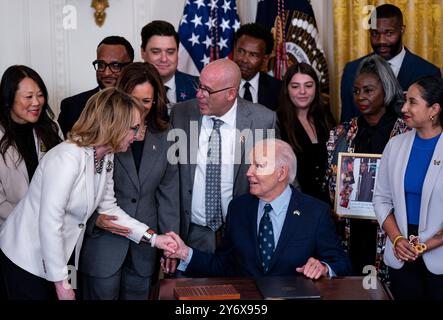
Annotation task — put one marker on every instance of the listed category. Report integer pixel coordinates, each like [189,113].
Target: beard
[391,50]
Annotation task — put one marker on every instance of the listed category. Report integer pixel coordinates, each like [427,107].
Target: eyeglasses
[208,91]
[115,67]
[135,129]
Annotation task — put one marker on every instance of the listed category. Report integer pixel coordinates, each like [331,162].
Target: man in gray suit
[213,133]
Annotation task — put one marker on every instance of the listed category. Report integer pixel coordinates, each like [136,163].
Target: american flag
[206,33]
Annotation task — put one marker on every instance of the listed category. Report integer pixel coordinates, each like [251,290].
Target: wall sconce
[99,14]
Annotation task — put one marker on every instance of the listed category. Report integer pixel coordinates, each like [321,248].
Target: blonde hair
[105,120]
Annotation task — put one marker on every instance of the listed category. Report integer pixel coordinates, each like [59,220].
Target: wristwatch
[148,235]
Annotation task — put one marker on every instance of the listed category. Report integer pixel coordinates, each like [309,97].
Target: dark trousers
[125,284]
[22,285]
[414,280]
[3,295]
[362,244]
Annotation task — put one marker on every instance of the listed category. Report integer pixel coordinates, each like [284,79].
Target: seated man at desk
[274,230]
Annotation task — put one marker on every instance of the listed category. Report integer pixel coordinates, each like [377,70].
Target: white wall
[32,33]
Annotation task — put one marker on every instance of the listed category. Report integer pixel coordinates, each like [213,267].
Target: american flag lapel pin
[153,147]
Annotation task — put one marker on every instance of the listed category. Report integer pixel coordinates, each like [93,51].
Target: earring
[432,118]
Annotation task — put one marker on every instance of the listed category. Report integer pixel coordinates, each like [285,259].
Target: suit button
[133,200]
[81,225]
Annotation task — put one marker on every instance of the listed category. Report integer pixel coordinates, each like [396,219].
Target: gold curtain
[423,34]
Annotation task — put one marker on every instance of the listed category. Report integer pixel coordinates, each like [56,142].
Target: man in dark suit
[386,41]
[274,230]
[366,184]
[159,46]
[113,53]
[234,124]
[252,45]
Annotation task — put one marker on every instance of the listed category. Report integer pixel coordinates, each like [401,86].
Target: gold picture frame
[355,185]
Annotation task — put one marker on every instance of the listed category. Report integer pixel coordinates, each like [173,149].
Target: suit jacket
[185,85]
[249,116]
[150,196]
[71,108]
[268,90]
[390,194]
[14,179]
[412,68]
[40,234]
[310,234]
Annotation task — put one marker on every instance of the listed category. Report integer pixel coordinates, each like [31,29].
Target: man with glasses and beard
[113,53]
[386,41]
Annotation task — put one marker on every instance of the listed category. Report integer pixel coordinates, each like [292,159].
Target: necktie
[166,92]
[213,179]
[247,95]
[266,238]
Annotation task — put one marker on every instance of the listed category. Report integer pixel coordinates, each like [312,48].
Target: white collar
[170,83]
[228,118]
[253,82]
[397,61]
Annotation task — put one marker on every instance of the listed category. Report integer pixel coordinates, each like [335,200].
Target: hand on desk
[313,269]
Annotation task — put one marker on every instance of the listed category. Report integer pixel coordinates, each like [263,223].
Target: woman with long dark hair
[305,122]
[27,131]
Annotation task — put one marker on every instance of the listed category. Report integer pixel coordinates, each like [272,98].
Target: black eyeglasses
[208,91]
[115,67]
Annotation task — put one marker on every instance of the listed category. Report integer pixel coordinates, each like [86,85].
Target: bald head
[226,71]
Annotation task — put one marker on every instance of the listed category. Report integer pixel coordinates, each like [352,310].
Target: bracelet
[396,239]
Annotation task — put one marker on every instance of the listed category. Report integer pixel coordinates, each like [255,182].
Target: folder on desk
[287,287]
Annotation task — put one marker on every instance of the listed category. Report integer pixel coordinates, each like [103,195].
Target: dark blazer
[71,108]
[268,90]
[185,85]
[249,116]
[150,196]
[310,234]
[412,68]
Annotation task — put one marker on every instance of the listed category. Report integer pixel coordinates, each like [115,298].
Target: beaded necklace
[98,163]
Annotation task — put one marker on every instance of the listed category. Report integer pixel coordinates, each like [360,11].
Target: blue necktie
[266,238]
[213,208]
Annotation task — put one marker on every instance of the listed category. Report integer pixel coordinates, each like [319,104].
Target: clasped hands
[164,242]
[405,250]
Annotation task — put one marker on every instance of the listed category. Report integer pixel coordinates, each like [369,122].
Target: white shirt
[171,93]
[397,61]
[253,88]
[228,134]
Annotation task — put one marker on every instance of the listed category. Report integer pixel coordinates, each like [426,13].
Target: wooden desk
[343,288]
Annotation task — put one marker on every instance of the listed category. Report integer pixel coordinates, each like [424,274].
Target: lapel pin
[242,139]
[437,162]
[153,147]
[296,212]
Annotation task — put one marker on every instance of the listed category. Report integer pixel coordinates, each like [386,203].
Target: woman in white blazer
[408,197]
[71,181]
[27,131]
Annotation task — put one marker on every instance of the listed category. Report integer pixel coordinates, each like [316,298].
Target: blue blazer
[310,234]
[185,85]
[412,68]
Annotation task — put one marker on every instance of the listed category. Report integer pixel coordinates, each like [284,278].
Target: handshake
[173,248]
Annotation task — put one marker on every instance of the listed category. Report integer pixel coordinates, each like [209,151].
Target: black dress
[363,233]
[312,162]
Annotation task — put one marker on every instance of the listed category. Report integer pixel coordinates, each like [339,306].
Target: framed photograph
[356,180]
